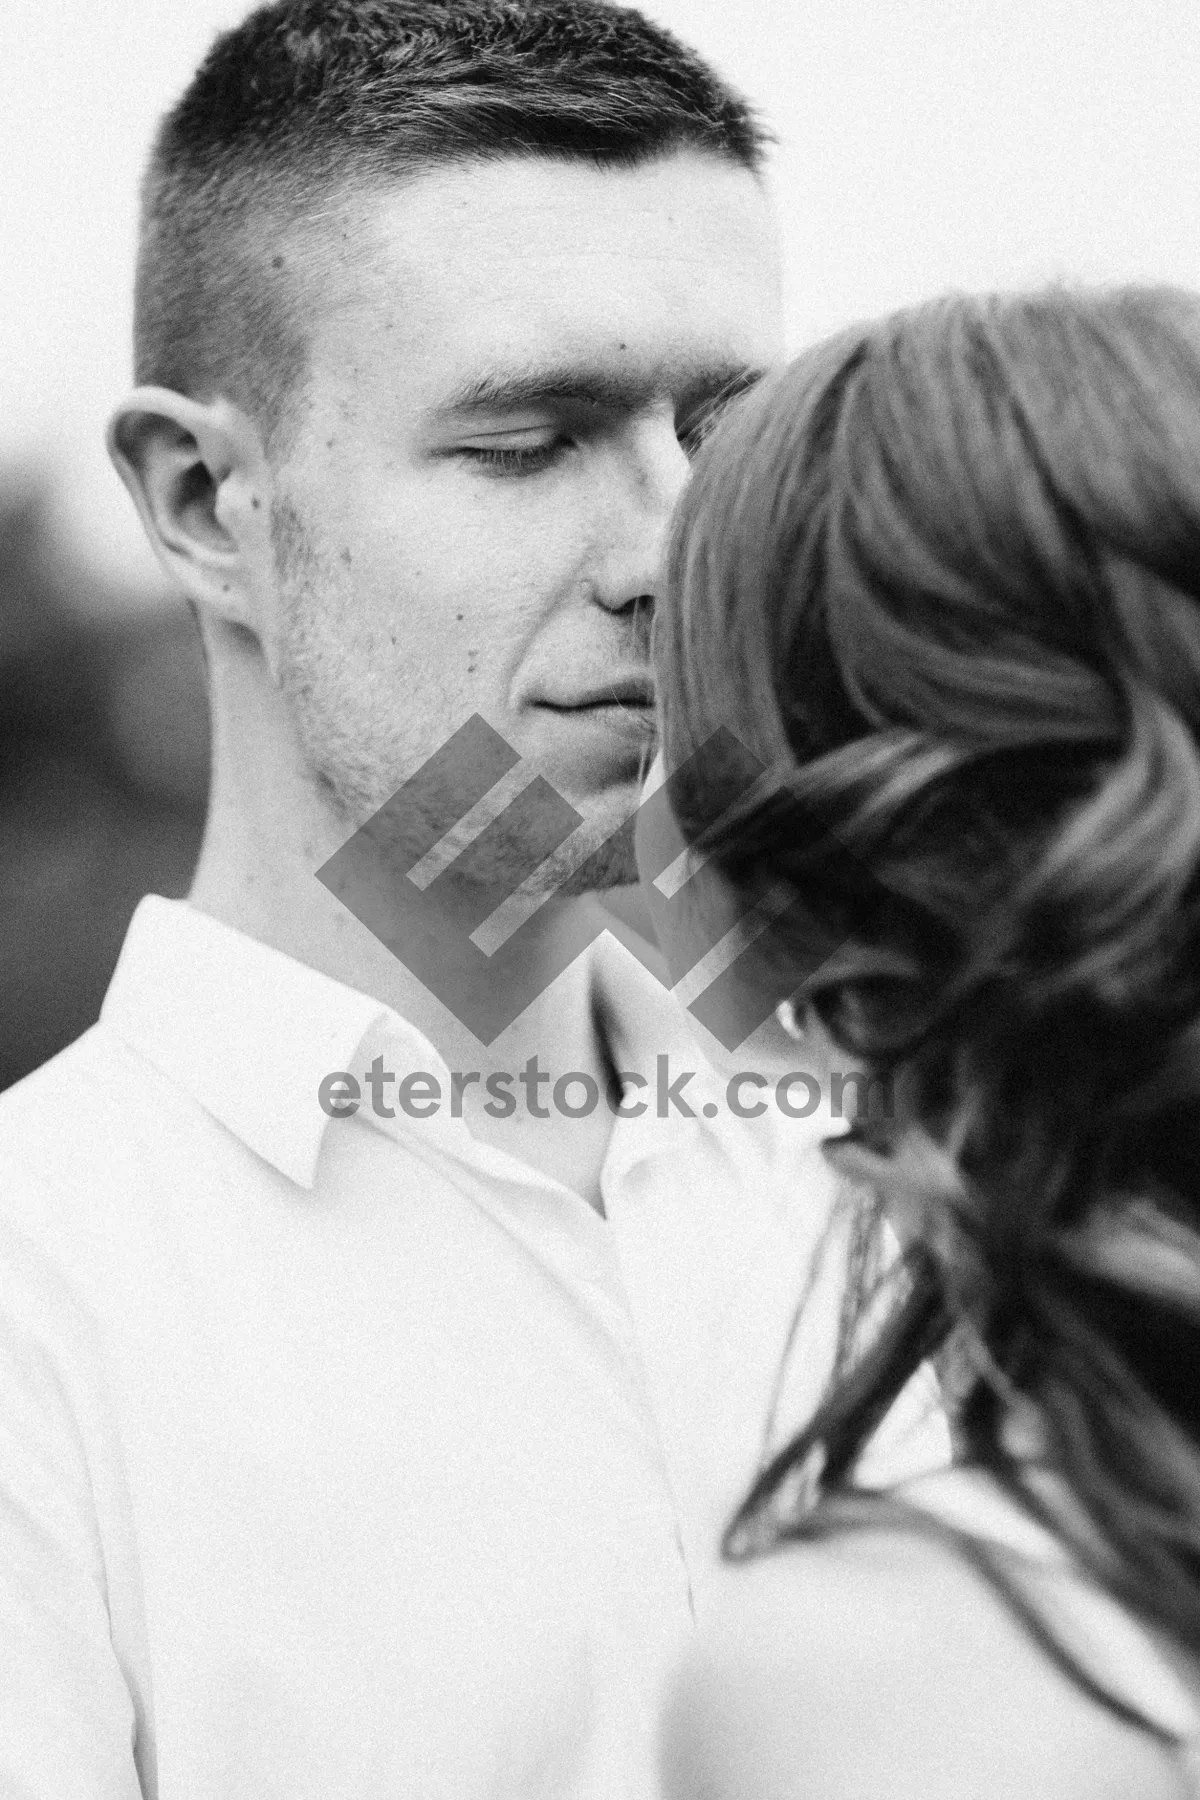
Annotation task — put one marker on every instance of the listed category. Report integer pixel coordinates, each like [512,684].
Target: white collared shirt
[346,1458]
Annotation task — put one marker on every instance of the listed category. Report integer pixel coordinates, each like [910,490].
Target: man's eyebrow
[695,386]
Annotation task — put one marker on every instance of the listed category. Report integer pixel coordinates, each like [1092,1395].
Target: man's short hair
[307,101]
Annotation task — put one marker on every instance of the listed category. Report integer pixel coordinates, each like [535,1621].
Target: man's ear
[201,483]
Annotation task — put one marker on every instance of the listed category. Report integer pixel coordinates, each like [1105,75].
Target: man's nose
[651,474]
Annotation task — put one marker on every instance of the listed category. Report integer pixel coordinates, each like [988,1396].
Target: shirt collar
[248,1032]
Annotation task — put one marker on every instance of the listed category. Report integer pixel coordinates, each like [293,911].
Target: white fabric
[349,1458]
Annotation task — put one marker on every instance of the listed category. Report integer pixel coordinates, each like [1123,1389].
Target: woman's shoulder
[880,1663]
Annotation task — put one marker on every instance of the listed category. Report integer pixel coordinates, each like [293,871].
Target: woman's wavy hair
[942,575]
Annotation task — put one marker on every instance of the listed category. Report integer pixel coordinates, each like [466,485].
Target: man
[364,1433]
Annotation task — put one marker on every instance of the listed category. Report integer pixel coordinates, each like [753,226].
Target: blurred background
[923,145]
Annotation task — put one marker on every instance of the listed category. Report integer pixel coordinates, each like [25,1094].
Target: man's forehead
[523,219]
[621,282]
[683,187]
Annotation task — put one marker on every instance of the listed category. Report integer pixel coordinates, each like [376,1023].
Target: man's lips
[626,694]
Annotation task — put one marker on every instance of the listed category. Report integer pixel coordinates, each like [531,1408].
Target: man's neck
[258,875]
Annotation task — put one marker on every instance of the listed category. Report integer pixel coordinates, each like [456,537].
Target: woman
[942,576]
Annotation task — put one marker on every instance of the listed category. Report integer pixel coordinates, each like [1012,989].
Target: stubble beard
[346,768]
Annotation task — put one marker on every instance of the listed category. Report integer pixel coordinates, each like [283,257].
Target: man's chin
[597,764]
[610,863]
